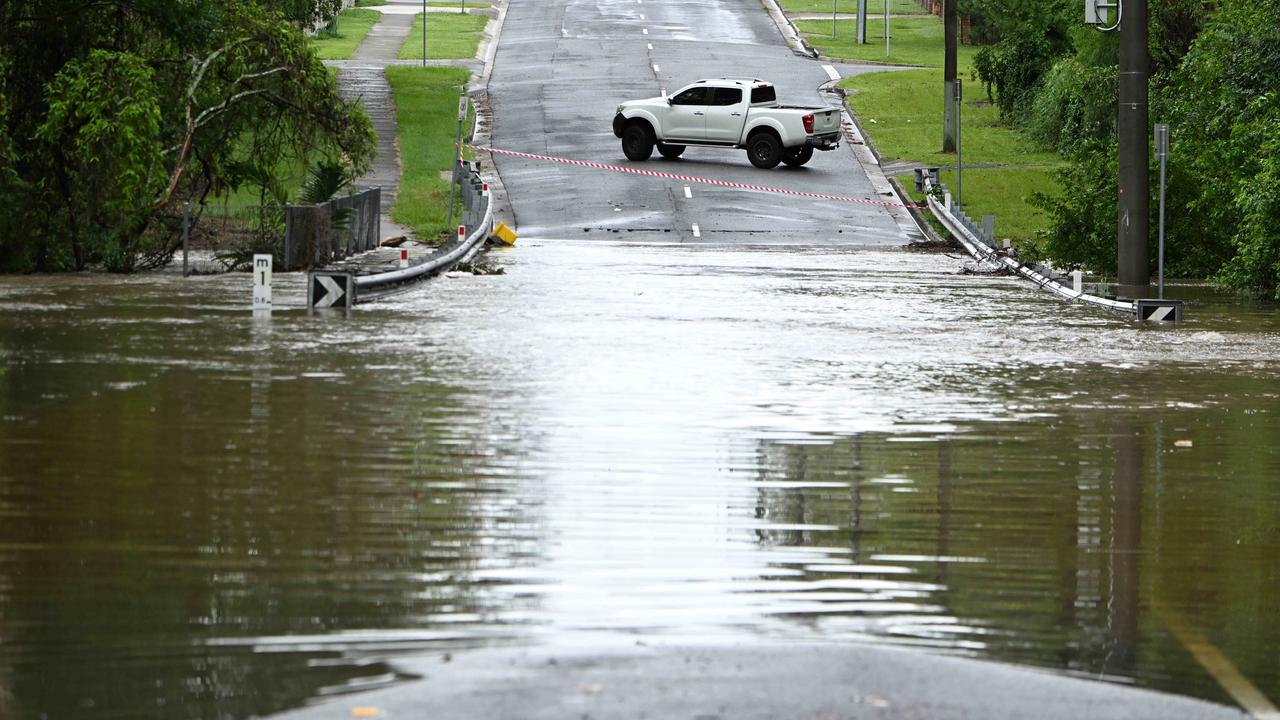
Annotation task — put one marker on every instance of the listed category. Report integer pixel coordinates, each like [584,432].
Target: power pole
[1133,271]
[951,37]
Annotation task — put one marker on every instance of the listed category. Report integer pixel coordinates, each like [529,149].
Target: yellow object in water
[504,234]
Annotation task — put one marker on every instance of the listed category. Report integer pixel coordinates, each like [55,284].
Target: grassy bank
[450,36]
[874,7]
[427,112]
[912,41]
[353,25]
[901,112]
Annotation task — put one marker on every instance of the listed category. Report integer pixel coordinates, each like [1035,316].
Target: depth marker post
[262,283]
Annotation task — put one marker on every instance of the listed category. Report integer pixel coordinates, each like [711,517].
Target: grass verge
[902,113]
[450,36]
[427,112]
[850,7]
[1003,192]
[912,41]
[353,25]
[902,110]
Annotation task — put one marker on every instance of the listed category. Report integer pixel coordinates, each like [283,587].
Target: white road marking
[664,93]
[656,68]
[641,16]
[1217,665]
[697,231]
[650,46]
[831,72]
[687,192]
[644,30]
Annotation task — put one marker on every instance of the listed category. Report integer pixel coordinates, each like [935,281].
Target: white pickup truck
[727,112]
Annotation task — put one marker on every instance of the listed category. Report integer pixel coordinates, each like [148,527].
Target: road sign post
[1162,152]
[959,97]
[457,151]
[262,283]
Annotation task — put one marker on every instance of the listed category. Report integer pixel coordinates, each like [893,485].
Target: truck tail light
[808,123]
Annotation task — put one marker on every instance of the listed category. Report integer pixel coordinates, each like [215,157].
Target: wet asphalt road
[563,67]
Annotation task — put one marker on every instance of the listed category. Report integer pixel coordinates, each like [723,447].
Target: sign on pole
[330,289]
[262,282]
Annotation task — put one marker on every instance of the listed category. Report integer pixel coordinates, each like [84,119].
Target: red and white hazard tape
[686,178]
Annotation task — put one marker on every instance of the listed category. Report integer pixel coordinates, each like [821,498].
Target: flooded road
[204,515]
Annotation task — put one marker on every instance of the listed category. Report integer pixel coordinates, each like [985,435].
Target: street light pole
[424,33]
[1133,271]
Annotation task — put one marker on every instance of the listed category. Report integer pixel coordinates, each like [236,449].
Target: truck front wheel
[636,142]
[670,152]
[764,150]
[798,156]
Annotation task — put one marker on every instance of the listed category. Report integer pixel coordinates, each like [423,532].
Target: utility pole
[861,23]
[1132,271]
[950,40]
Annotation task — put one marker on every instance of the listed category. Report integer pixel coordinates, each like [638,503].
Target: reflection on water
[204,515]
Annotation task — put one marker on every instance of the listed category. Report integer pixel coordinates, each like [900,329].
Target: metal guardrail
[477,225]
[970,236]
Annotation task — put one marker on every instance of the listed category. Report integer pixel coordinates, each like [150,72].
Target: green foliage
[998,21]
[128,109]
[1012,70]
[1082,230]
[1075,104]
[103,133]
[1256,264]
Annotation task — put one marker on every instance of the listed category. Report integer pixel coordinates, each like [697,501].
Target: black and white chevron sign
[330,289]
[1159,310]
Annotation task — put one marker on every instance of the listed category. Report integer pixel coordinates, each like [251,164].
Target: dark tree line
[115,112]
[1213,80]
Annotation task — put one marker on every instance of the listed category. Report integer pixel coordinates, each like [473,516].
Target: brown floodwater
[205,514]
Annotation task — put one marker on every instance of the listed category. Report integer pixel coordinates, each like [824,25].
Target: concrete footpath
[364,77]
[628,679]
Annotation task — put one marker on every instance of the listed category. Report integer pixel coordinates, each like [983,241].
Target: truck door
[725,115]
[687,119]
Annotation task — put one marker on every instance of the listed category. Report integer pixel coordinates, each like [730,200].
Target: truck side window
[726,96]
[763,94]
[692,96]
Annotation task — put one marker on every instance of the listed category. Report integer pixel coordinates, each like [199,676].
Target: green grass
[353,25]
[902,111]
[874,7]
[449,36]
[370,3]
[427,112]
[1003,192]
[912,41]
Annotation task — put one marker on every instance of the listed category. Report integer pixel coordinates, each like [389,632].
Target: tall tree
[127,108]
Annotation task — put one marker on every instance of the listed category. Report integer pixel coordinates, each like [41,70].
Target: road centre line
[1217,665]
[650,46]
[687,178]
[697,231]
[655,67]
[644,30]
[687,192]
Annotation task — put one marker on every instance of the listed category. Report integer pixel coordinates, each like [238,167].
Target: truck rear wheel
[764,150]
[636,142]
[670,152]
[798,156]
